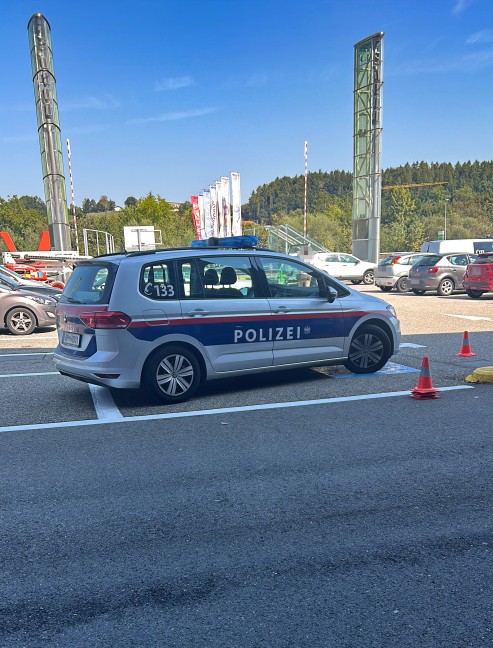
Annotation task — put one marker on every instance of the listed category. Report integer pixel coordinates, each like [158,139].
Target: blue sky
[167,96]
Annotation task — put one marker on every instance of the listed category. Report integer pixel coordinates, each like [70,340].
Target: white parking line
[104,404]
[28,375]
[10,355]
[410,345]
[224,410]
[473,318]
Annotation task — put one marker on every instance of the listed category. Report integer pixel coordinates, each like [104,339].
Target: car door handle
[198,312]
[280,309]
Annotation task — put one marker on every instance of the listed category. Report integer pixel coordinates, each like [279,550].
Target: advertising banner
[195,214]
[201,216]
[215,229]
[236,195]
[208,227]
[226,205]
[220,220]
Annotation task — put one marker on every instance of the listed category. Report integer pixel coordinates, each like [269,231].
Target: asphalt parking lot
[310,508]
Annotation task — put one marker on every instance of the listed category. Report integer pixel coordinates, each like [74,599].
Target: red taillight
[106,320]
[432,270]
[395,260]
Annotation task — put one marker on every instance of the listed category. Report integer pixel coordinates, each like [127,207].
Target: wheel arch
[373,321]
[177,343]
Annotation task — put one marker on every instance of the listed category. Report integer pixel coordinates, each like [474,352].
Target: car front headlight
[42,300]
[391,310]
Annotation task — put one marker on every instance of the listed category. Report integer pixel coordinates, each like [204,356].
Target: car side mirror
[330,293]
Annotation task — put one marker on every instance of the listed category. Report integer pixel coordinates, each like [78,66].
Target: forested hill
[286,195]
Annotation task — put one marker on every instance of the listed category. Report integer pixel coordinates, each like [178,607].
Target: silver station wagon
[167,320]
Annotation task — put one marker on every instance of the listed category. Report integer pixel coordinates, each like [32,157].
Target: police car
[167,320]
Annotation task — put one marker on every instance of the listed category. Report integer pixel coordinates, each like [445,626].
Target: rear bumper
[385,281]
[487,286]
[93,371]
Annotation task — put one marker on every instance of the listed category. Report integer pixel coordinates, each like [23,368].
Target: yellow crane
[409,186]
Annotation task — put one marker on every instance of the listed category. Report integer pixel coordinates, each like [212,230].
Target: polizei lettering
[270,334]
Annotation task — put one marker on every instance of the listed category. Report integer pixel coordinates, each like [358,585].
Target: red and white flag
[201,217]
[195,214]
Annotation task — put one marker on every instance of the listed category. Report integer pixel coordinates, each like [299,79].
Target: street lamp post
[445,221]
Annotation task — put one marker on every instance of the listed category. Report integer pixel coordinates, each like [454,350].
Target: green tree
[130,201]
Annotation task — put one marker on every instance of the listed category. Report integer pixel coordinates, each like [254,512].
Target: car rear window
[89,284]
[388,260]
[429,260]
[483,259]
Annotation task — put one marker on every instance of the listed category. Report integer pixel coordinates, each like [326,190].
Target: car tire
[402,285]
[369,350]
[446,287]
[385,288]
[21,321]
[416,291]
[172,374]
[369,278]
[474,294]
[355,281]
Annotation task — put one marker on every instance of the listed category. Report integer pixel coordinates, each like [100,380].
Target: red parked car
[478,277]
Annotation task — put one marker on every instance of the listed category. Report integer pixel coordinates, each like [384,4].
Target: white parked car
[345,266]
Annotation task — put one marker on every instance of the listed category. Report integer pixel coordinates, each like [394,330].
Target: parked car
[478,277]
[10,279]
[442,273]
[393,271]
[344,266]
[21,311]
[168,320]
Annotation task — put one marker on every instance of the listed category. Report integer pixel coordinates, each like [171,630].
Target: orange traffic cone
[465,351]
[424,388]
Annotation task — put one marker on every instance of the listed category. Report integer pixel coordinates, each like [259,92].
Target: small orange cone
[424,389]
[465,351]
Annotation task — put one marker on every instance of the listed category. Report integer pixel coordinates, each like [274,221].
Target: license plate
[414,282]
[71,339]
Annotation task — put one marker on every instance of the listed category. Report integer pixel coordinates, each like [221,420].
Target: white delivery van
[470,246]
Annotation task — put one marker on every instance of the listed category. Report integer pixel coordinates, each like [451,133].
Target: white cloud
[91,103]
[173,83]
[460,6]
[186,114]
[466,63]
[484,36]
[19,139]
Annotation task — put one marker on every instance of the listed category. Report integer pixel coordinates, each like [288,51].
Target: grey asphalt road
[363,524]
[334,526]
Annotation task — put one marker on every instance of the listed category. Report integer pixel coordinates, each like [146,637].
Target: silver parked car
[393,271]
[21,312]
[442,273]
[167,320]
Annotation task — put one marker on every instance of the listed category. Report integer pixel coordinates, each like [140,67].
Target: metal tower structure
[49,132]
[367,174]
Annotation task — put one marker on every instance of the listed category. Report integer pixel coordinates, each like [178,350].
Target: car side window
[458,259]
[347,258]
[332,258]
[218,278]
[288,279]
[156,281]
